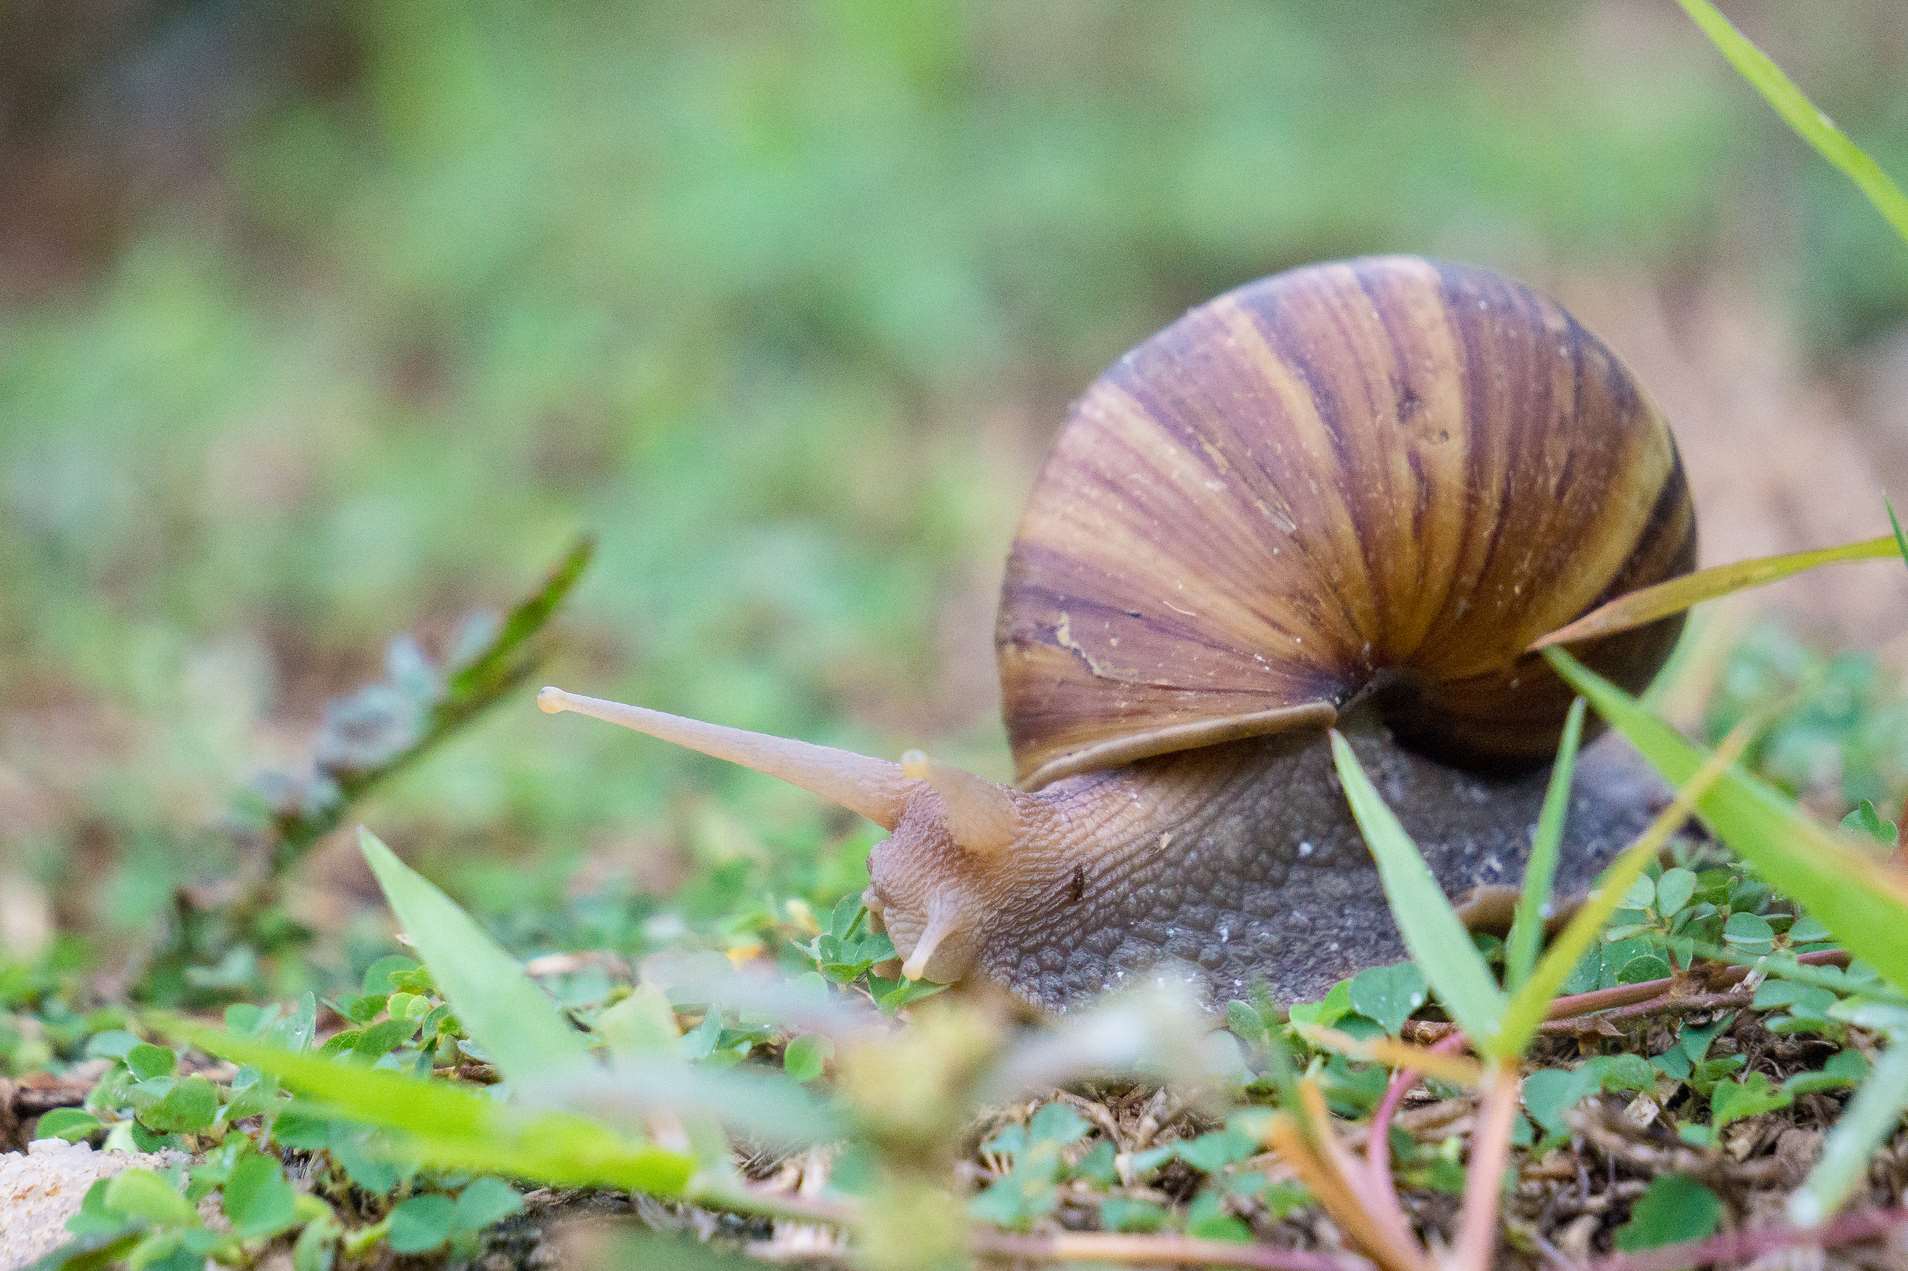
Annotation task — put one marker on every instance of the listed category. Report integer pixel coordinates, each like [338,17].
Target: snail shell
[1381,478]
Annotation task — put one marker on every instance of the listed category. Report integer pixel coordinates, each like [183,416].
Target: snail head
[952,832]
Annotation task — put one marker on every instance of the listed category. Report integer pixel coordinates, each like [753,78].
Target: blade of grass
[1527,924]
[1901,539]
[1861,901]
[1870,1117]
[1802,115]
[449,1126]
[511,1018]
[1436,937]
[1530,1004]
[1647,604]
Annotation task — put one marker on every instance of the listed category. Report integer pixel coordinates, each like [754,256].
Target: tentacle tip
[552,700]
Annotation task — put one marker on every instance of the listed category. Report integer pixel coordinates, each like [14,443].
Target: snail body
[1348,495]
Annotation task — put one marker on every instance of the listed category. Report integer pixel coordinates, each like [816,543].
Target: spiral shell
[1380,478]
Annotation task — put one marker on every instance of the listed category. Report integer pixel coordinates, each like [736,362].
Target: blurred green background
[328,321]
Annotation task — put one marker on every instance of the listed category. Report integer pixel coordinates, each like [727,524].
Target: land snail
[1350,495]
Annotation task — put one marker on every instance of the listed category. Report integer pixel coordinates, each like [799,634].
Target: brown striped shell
[1379,478]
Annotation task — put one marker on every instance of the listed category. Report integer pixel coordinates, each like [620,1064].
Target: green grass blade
[1802,115]
[456,1127]
[1527,925]
[514,1021]
[1860,900]
[1871,1116]
[1531,1002]
[1433,933]
[1647,604]
[1901,539]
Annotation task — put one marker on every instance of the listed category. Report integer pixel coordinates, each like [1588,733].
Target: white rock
[42,1187]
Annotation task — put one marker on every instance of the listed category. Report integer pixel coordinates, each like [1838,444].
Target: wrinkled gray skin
[1266,880]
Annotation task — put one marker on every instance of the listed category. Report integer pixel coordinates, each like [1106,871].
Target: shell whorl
[1383,477]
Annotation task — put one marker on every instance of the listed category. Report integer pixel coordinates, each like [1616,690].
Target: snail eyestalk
[873,788]
[946,920]
[980,816]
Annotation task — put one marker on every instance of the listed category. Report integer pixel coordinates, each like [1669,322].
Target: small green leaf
[141,1194]
[71,1124]
[258,1199]
[641,1024]
[1387,995]
[1641,894]
[1643,968]
[146,1061]
[1550,1093]
[1673,1210]
[1433,932]
[188,1108]
[1894,523]
[1866,820]
[485,1202]
[1058,1124]
[1674,890]
[1207,1219]
[1122,1213]
[1750,1096]
[1211,1152]
[1749,932]
[805,1056]
[316,1248]
[380,976]
[1843,1070]
[515,1022]
[421,1224]
[1243,1019]
[114,1043]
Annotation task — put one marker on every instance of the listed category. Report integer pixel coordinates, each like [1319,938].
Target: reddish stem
[1648,991]
[1094,1246]
[1378,1137]
[1484,1181]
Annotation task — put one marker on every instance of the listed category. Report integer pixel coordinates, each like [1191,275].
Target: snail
[1350,496]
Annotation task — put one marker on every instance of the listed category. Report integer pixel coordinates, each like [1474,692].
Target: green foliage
[1433,932]
[1388,995]
[1743,1097]
[1846,890]
[1527,924]
[1550,1093]
[1840,729]
[451,1127]
[1674,1209]
[510,1017]
[428,1223]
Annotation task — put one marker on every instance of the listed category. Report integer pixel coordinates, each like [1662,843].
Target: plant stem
[1378,1136]
[1484,1181]
[1180,1251]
